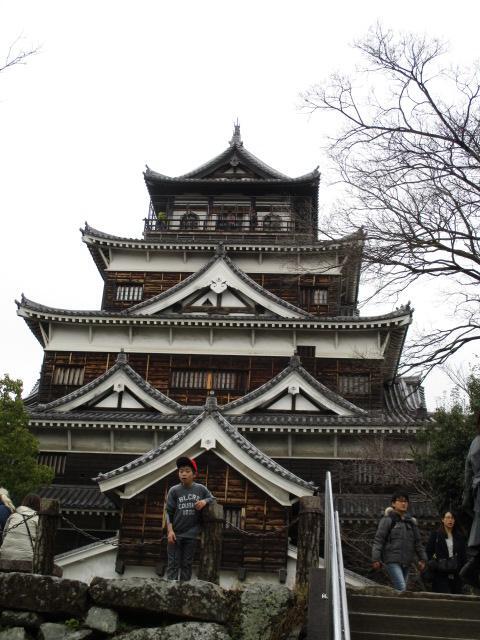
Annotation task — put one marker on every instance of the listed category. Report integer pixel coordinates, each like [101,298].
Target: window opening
[358,385]
[69,376]
[129,292]
[199,379]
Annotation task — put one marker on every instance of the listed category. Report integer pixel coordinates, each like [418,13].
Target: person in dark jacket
[397,541]
[444,543]
[6,508]
[471,503]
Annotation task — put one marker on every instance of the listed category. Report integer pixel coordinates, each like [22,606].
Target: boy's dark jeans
[180,558]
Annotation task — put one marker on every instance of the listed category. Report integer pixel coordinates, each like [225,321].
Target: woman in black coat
[446,542]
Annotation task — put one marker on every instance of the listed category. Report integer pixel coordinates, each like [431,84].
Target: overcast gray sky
[118,85]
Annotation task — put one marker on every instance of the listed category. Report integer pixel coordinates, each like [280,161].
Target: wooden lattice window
[312,296]
[68,375]
[354,385]
[201,379]
[234,516]
[129,292]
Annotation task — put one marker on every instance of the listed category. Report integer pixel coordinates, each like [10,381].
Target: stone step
[450,606]
[372,635]
[436,627]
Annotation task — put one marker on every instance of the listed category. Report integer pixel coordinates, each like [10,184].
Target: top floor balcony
[273,222]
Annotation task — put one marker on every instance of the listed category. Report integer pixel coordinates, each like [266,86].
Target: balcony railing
[226,228]
[236,220]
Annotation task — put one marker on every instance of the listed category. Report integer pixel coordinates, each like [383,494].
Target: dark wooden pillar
[44,551]
[308,545]
[211,552]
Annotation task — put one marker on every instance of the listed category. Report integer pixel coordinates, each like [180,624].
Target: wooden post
[308,544]
[211,552]
[44,551]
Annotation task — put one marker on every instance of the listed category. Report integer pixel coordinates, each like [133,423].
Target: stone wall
[49,608]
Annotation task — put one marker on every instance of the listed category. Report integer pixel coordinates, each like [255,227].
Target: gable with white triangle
[293,390]
[221,286]
[120,388]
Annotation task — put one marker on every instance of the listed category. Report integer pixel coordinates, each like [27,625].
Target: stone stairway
[382,614]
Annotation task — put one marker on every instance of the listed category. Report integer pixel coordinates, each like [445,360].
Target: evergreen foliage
[19,471]
[446,442]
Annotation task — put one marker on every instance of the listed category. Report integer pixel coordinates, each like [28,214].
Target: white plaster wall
[102,565]
[264,342]
[186,262]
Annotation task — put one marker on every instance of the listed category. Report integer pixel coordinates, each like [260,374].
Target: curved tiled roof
[220,257]
[405,399]
[78,498]
[295,366]
[212,244]
[377,419]
[327,321]
[120,365]
[235,151]
[230,430]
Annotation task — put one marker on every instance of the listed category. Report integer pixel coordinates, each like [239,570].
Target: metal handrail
[335,575]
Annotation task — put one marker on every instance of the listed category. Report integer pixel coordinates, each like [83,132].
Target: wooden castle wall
[290,288]
[253,371]
[143,532]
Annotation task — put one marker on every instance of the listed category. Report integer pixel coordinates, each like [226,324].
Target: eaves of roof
[93,236]
[34,309]
[251,422]
[79,498]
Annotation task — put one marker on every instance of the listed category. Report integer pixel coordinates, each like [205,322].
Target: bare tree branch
[409,157]
[17,55]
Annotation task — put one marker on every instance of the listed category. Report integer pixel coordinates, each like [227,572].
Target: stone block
[42,594]
[261,609]
[105,620]
[27,619]
[195,600]
[179,631]
[15,633]
[57,631]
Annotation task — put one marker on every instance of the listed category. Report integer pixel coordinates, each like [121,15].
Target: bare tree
[409,155]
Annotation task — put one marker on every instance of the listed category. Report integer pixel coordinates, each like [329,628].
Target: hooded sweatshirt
[397,540]
[16,541]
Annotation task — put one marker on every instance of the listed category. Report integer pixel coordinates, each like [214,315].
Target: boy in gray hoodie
[185,502]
